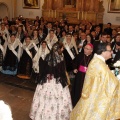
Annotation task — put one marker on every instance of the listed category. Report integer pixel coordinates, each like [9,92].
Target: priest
[99,99]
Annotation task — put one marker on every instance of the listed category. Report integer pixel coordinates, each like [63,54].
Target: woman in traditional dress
[63,36]
[2,41]
[35,38]
[51,39]
[70,53]
[25,64]
[52,99]
[20,33]
[89,39]
[80,67]
[4,32]
[38,60]
[12,55]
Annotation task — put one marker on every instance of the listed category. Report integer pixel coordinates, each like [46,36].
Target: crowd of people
[57,55]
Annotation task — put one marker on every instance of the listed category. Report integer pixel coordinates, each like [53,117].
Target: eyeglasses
[109,50]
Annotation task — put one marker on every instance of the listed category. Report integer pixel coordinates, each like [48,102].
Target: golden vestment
[99,100]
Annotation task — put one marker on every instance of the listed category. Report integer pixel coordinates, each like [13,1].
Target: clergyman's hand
[75,70]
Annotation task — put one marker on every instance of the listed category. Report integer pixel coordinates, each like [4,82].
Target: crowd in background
[26,32]
[24,45]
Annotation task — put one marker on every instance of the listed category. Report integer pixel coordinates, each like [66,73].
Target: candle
[52,13]
[85,15]
[55,13]
[49,14]
[82,15]
[78,15]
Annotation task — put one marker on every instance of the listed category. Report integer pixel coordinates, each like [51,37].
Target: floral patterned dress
[52,100]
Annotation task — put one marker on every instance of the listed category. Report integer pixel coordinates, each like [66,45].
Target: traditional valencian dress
[2,51]
[100,95]
[4,33]
[36,41]
[52,99]
[81,63]
[12,57]
[38,62]
[70,52]
[25,64]
[51,41]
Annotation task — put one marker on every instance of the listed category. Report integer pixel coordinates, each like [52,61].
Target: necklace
[87,62]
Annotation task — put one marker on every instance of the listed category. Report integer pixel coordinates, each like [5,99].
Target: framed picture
[31,4]
[114,6]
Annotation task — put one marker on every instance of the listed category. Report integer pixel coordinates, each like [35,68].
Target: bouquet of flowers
[117,64]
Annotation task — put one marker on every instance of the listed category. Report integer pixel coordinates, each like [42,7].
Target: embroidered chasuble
[100,97]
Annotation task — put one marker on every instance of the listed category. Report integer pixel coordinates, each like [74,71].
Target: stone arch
[4,10]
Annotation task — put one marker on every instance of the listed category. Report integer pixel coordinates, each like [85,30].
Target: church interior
[17,92]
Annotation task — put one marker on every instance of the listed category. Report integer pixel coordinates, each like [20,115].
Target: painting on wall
[31,4]
[114,6]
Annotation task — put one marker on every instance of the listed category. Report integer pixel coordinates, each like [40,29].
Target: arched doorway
[3,10]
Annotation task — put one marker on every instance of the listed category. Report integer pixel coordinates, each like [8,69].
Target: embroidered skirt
[51,102]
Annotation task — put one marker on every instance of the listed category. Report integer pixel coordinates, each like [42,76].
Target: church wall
[32,13]
[10,6]
[28,13]
[110,17]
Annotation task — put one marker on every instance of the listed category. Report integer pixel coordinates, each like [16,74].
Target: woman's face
[68,38]
[27,40]
[2,26]
[88,38]
[28,27]
[35,33]
[75,37]
[63,33]
[114,32]
[118,38]
[12,38]
[51,34]
[60,51]
[13,28]
[43,45]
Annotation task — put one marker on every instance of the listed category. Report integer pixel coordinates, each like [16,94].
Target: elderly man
[80,67]
[100,91]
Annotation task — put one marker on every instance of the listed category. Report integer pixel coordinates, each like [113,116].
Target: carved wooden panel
[83,10]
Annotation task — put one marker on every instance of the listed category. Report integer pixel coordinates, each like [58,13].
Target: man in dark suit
[103,39]
[108,29]
[81,42]
[117,55]
[98,32]
[47,28]
[71,30]
[42,35]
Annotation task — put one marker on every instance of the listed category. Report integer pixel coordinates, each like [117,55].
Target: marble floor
[18,93]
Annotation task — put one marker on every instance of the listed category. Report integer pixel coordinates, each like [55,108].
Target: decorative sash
[69,51]
[82,69]
[35,66]
[13,50]
[28,52]
[35,47]
[49,46]
[1,47]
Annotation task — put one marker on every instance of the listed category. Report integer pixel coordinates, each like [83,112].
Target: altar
[79,10]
